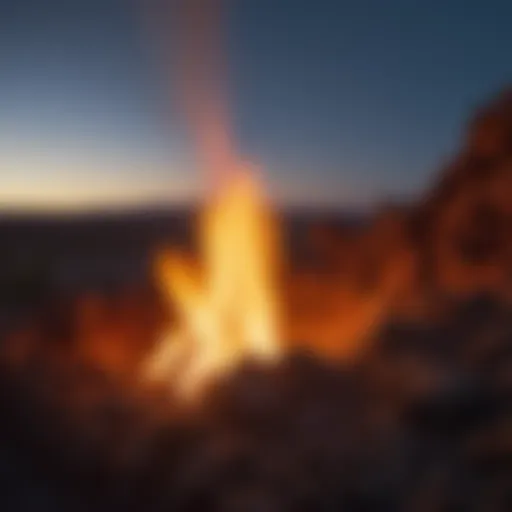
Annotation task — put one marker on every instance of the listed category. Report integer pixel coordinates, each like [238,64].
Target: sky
[337,102]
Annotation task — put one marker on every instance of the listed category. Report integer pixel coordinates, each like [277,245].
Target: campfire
[227,300]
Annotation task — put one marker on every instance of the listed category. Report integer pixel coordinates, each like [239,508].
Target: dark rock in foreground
[421,422]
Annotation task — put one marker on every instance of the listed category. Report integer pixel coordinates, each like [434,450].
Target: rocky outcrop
[411,260]
[465,221]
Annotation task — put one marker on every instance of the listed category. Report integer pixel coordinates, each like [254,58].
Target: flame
[226,304]
[227,308]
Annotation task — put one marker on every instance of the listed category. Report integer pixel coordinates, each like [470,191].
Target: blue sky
[337,101]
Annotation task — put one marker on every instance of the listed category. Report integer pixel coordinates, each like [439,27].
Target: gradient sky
[338,101]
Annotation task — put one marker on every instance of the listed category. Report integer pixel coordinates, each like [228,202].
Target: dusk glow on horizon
[335,106]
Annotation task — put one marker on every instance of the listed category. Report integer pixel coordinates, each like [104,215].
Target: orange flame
[226,309]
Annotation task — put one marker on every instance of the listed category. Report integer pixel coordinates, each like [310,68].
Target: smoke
[194,32]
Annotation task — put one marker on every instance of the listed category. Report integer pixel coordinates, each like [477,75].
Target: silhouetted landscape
[404,405]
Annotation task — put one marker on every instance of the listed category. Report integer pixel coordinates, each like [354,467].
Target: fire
[226,302]
[227,310]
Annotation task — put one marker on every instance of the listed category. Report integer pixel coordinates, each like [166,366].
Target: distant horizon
[63,199]
[194,202]
[96,192]
[163,207]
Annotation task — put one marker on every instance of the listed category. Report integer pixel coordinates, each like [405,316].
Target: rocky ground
[422,422]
